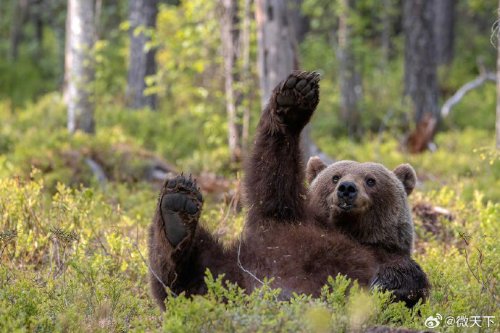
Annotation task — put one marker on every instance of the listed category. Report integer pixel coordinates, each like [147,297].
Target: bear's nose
[347,190]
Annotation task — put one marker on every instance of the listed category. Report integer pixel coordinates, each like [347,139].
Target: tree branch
[480,80]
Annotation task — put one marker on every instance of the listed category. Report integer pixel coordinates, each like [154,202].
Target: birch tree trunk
[142,15]
[79,67]
[420,71]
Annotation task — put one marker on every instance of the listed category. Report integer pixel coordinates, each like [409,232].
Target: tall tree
[278,32]
[349,76]
[297,19]
[277,54]
[230,35]
[444,30]
[420,71]
[142,16]
[79,68]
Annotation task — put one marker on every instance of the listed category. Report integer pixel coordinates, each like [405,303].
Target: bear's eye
[335,179]
[370,182]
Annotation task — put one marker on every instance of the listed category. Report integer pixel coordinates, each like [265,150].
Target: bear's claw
[182,184]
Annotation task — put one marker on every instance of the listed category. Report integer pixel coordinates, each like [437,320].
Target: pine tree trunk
[420,71]
[349,76]
[79,67]
[142,15]
[444,30]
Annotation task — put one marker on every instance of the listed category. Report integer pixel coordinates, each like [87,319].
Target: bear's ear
[314,167]
[407,176]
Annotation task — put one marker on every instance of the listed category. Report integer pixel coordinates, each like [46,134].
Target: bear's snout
[347,191]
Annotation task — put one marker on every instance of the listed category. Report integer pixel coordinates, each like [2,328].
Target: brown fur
[379,218]
[280,238]
[300,258]
[287,233]
[181,266]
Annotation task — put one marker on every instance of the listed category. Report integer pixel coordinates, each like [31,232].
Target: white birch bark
[79,65]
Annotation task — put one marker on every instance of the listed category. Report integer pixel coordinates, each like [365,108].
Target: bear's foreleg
[405,278]
[275,173]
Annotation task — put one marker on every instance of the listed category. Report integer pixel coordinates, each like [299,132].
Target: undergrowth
[74,261]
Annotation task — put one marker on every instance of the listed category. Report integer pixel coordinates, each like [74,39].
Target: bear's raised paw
[297,97]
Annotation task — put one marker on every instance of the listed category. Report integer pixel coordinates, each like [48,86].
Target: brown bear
[284,237]
[368,203]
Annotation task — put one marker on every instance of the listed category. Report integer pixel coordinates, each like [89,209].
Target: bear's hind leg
[180,208]
[172,234]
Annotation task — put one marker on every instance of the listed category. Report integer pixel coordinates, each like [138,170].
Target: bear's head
[365,200]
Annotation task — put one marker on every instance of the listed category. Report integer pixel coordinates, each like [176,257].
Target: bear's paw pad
[180,206]
[300,89]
